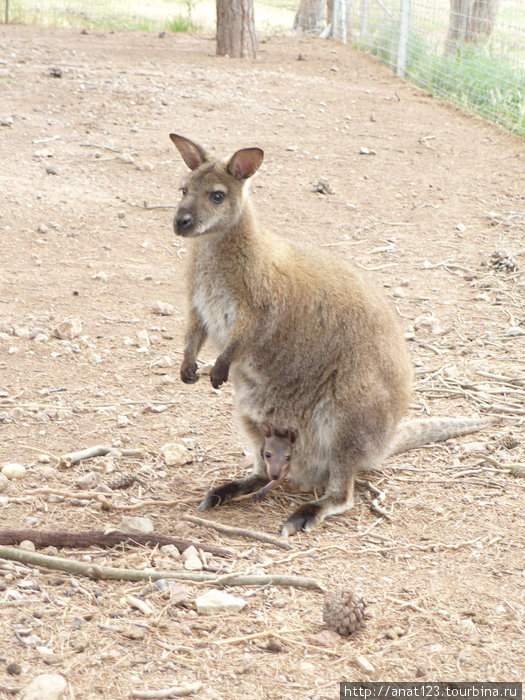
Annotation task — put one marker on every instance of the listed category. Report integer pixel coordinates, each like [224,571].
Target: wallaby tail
[418,432]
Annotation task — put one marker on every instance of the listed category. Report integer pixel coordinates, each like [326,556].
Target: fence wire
[470,52]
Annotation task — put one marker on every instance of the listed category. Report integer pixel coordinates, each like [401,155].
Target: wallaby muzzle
[183,223]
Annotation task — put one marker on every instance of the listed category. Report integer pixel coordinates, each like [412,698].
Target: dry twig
[238,531]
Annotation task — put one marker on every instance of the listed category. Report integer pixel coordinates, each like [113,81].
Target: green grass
[479,78]
[146,15]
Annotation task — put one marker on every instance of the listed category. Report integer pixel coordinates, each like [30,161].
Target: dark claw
[189,374]
[219,373]
[305,518]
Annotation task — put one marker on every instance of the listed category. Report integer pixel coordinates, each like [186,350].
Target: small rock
[170,550]
[217,601]
[14,471]
[88,481]
[364,151]
[133,632]
[164,361]
[364,664]
[323,186]
[6,121]
[162,308]
[136,525]
[143,341]
[27,546]
[191,559]
[176,454]
[326,638]
[14,669]
[47,686]
[68,329]
[100,276]
[123,420]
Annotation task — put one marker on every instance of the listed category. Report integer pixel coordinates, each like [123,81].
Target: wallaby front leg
[195,336]
[221,368]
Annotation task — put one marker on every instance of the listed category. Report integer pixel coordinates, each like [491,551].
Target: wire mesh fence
[470,52]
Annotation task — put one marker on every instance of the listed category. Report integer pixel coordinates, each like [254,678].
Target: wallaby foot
[222,494]
[188,373]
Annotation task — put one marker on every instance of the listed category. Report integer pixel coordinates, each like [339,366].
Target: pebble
[364,664]
[162,308]
[217,601]
[143,341]
[47,686]
[176,454]
[27,546]
[134,524]
[68,329]
[191,559]
[14,471]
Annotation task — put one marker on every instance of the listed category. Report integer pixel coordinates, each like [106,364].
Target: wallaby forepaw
[189,374]
[219,373]
[304,518]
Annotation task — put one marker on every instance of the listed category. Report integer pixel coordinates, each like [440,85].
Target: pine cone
[509,441]
[122,481]
[343,611]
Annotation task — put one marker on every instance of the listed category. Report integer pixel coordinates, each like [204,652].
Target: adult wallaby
[310,344]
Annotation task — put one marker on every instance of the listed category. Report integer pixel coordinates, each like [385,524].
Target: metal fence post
[339,20]
[363,21]
[404,26]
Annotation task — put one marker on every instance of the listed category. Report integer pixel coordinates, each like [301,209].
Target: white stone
[136,525]
[68,329]
[47,686]
[162,308]
[14,471]
[364,664]
[175,454]
[143,340]
[217,601]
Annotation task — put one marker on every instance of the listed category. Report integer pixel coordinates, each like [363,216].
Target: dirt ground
[427,198]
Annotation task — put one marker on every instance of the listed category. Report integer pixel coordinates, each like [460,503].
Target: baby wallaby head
[213,194]
[277,451]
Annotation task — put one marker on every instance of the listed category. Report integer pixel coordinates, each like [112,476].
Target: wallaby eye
[268,455]
[217,197]
[183,191]
[287,458]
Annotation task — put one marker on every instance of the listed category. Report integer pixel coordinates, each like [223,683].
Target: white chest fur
[215,305]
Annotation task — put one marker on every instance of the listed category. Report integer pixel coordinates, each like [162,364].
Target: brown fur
[310,344]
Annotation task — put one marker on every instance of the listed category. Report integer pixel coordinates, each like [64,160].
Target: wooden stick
[176,691]
[99,538]
[97,451]
[240,532]
[96,572]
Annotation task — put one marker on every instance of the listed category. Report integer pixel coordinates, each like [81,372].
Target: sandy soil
[429,199]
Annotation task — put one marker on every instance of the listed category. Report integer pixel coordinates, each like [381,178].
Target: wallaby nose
[183,221]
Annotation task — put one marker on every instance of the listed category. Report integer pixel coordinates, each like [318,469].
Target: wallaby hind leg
[232,489]
[239,487]
[338,498]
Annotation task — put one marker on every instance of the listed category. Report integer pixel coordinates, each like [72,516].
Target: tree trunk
[236,35]
[470,21]
[310,16]
[482,20]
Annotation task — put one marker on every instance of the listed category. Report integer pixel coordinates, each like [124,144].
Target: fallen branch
[99,538]
[96,572]
[176,691]
[72,458]
[238,531]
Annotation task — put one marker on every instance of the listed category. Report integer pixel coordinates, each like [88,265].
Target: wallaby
[310,344]
[276,452]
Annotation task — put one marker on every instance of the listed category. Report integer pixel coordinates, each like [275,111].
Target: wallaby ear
[292,436]
[244,163]
[192,154]
[266,430]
